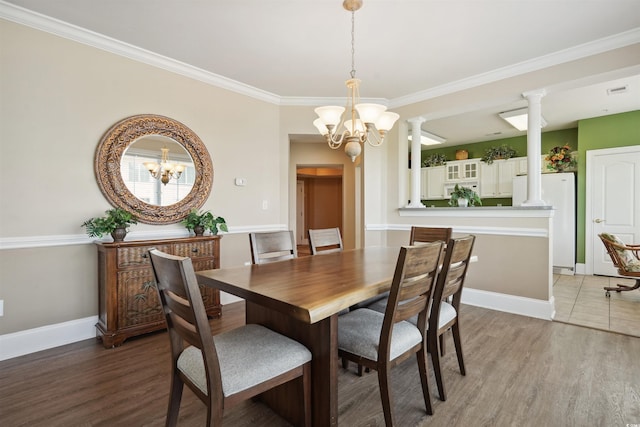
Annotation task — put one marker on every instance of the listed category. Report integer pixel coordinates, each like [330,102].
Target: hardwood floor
[581,300]
[520,372]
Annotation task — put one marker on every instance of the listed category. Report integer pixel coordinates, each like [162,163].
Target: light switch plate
[241,182]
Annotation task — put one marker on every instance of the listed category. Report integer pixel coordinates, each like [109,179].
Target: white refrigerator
[558,190]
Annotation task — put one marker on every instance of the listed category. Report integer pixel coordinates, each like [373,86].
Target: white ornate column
[534,148]
[416,162]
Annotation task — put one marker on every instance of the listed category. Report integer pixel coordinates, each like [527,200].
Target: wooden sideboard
[127,297]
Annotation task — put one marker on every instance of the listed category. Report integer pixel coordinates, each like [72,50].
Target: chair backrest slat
[429,234]
[272,246]
[326,240]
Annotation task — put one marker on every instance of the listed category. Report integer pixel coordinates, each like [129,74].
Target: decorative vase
[463,202]
[119,234]
[199,230]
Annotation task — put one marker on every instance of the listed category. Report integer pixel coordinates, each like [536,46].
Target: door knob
[598,220]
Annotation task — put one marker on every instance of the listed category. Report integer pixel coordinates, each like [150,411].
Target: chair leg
[620,288]
[442,349]
[385,395]
[422,368]
[345,363]
[306,389]
[458,344]
[435,360]
[175,396]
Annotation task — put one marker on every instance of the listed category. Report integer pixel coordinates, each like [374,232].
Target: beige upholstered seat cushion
[248,355]
[359,333]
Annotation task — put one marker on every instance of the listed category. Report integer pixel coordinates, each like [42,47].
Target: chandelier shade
[364,122]
[165,170]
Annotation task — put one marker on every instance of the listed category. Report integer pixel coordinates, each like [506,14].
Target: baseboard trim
[50,336]
[46,337]
[529,307]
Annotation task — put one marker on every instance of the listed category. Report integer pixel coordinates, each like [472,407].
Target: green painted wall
[618,130]
[519,143]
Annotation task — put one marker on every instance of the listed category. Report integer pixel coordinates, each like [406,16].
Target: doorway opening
[319,192]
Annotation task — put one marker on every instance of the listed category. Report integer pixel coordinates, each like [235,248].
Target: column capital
[534,94]
[416,120]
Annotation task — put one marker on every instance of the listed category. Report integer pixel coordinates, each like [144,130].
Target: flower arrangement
[560,158]
[435,160]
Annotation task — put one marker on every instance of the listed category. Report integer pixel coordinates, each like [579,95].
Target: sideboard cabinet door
[128,303]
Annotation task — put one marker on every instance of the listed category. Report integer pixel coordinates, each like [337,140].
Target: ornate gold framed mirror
[154,167]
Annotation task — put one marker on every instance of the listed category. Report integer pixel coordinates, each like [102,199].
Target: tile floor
[580,300]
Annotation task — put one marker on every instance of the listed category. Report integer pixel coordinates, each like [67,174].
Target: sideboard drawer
[135,256]
[194,249]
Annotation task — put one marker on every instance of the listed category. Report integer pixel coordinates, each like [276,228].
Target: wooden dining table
[301,298]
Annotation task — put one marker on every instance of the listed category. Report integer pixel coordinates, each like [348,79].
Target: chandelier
[368,122]
[164,171]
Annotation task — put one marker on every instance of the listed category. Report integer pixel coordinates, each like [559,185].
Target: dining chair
[380,341]
[418,235]
[272,246]
[429,234]
[224,369]
[444,314]
[325,240]
[625,257]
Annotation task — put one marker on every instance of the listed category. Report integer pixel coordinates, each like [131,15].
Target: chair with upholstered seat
[225,369]
[380,341]
[444,314]
[272,246]
[625,258]
[325,240]
[418,235]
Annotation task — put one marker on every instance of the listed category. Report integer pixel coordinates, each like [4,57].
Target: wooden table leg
[321,339]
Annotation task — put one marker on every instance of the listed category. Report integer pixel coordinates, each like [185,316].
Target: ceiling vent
[616,90]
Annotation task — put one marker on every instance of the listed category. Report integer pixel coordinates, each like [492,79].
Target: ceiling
[299,51]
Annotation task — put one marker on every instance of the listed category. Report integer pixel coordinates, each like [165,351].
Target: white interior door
[612,203]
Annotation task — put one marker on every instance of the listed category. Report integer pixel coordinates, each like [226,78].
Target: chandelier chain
[353,48]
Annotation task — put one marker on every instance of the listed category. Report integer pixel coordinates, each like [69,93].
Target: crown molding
[81,35]
[54,26]
[595,47]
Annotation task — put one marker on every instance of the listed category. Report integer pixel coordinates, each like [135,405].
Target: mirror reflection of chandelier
[165,170]
[365,119]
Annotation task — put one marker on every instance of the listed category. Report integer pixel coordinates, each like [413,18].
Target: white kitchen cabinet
[496,179]
[434,177]
[462,170]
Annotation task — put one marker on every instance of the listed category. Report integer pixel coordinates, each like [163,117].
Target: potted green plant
[115,222]
[464,196]
[500,152]
[199,222]
[435,159]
